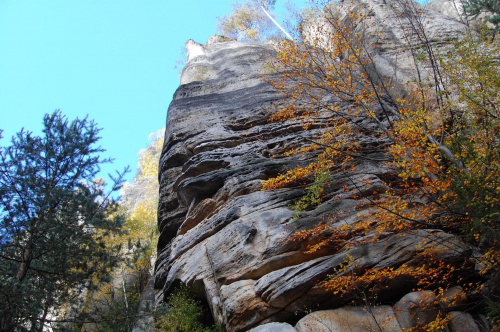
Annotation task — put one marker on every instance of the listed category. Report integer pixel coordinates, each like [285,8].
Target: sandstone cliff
[229,241]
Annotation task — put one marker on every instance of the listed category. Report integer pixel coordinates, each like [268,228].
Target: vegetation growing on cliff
[440,131]
[182,312]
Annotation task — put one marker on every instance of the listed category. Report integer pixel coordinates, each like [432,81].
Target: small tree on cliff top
[251,21]
[246,21]
[446,149]
[54,217]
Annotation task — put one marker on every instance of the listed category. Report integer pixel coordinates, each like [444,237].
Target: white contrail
[276,23]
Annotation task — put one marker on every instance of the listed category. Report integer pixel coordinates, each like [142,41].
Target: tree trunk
[25,264]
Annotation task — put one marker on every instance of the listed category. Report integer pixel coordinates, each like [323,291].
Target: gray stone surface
[416,309]
[390,32]
[454,9]
[274,327]
[228,240]
[462,322]
[449,8]
[242,307]
[352,319]
[145,322]
[295,287]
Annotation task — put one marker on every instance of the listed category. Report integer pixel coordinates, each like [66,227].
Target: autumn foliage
[439,132]
[115,300]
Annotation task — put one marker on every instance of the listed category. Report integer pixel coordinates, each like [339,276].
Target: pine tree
[473,8]
[54,215]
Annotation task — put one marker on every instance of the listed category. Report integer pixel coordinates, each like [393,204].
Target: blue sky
[111,59]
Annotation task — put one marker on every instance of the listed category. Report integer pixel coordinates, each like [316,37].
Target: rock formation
[228,240]
[390,32]
[449,8]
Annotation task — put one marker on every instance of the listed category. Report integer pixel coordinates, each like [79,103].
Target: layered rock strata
[228,240]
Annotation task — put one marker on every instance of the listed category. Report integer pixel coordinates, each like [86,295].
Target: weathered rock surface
[450,8]
[287,287]
[463,322]
[228,240]
[387,28]
[411,312]
[274,327]
[454,9]
[354,319]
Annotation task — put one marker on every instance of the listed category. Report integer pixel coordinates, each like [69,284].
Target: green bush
[182,313]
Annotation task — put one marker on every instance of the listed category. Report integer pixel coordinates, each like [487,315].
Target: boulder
[416,309]
[273,327]
[462,322]
[353,319]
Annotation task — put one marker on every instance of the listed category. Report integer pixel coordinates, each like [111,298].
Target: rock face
[449,8]
[387,29]
[228,240]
